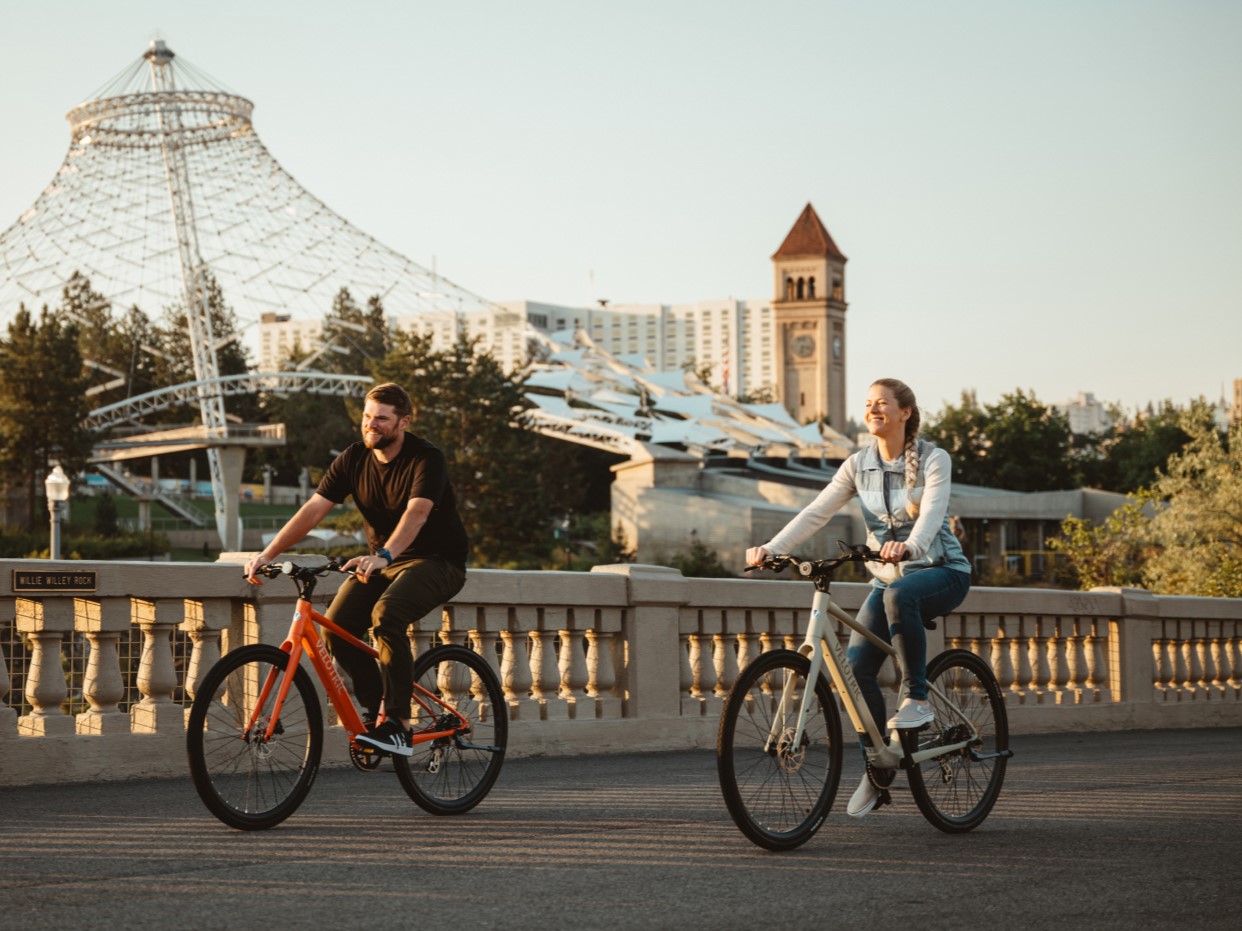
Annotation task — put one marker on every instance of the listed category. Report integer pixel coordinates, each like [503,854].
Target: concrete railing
[94,684]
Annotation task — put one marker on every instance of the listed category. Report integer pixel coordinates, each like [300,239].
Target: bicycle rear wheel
[450,775]
[776,793]
[244,780]
[956,791]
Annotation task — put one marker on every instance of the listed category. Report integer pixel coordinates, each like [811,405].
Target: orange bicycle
[255,730]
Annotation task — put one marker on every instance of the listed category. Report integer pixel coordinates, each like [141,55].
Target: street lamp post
[57,487]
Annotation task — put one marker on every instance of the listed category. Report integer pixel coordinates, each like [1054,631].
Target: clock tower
[809,316]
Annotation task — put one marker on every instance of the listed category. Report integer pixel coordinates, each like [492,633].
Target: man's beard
[383,442]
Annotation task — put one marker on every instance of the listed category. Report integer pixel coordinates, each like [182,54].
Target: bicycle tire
[451,775]
[778,799]
[247,783]
[956,792]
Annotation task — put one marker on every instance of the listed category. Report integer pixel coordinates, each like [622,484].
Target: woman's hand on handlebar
[894,551]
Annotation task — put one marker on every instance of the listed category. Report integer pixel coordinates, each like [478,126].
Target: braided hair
[906,401]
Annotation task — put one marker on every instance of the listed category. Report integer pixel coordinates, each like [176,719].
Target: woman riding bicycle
[902,484]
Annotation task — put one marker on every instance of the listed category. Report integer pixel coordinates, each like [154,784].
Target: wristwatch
[387,555]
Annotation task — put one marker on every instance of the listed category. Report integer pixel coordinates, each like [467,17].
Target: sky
[1038,196]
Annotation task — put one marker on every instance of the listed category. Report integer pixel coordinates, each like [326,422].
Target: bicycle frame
[304,637]
[823,648]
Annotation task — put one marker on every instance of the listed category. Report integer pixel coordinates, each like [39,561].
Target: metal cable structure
[271,245]
[165,183]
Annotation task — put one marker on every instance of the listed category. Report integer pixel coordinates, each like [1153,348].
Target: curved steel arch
[133,409]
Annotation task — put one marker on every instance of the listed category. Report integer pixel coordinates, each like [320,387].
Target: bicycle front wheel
[245,779]
[956,791]
[450,775]
[778,793]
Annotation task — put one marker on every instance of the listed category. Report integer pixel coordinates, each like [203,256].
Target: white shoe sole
[896,725]
[384,747]
[866,811]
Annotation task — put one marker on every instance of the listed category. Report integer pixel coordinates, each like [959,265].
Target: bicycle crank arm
[977,757]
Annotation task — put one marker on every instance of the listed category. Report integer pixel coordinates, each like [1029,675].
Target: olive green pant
[388,604]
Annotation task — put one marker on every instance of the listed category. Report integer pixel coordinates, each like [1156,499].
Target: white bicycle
[779,746]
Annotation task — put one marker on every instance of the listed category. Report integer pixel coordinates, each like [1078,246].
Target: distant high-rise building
[1087,416]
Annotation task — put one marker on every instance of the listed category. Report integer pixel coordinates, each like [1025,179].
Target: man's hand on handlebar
[756,555]
[363,567]
[252,569]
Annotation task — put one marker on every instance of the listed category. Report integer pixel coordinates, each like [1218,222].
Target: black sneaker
[389,737]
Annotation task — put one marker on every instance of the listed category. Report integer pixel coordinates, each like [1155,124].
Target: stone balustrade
[95,685]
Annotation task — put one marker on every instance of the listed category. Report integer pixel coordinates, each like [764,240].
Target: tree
[1188,538]
[1198,521]
[176,363]
[1111,553]
[1131,454]
[509,488]
[358,338]
[316,427]
[1018,443]
[42,404]
[961,432]
[119,353]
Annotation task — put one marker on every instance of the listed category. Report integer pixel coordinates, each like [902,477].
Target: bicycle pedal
[885,798]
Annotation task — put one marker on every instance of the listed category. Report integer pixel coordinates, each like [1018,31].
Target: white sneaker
[912,713]
[863,799]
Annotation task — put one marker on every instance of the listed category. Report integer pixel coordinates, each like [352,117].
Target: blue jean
[895,612]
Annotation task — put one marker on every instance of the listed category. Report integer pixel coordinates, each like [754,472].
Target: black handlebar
[816,569]
[299,572]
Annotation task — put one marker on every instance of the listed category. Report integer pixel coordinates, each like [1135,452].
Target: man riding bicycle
[417,561]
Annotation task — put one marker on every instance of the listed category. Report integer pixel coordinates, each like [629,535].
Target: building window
[789,289]
[801,288]
[810,289]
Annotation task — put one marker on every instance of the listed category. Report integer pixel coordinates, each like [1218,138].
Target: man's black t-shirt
[382,491]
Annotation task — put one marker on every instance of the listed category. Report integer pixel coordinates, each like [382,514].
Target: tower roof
[809,236]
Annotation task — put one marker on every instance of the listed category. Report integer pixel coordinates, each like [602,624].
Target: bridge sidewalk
[1093,831]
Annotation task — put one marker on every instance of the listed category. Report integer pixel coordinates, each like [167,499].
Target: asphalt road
[1093,831]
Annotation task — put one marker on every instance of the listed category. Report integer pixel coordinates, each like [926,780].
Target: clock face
[803,346]
[836,346]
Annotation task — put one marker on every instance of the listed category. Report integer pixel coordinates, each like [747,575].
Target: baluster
[515,675]
[1041,671]
[157,713]
[573,673]
[1233,651]
[1002,659]
[1187,672]
[546,676]
[484,641]
[46,623]
[998,658]
[1057,662]
[1076,664]
[1160,670]
[748,647]
[1220,666]
[103,623]
[1203,667]
[685,676]
[205,622]
[1020,660]
[724,649]
[602,681]
[704,671]
[1095,649]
